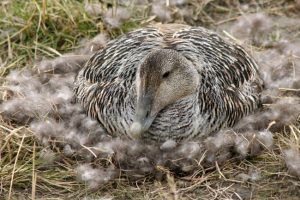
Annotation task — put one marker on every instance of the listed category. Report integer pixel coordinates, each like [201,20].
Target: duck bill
[144,116]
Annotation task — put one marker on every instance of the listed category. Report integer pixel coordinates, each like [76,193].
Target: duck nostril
[147,114]
[166,74]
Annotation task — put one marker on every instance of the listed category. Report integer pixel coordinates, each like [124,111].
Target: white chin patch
[136,130]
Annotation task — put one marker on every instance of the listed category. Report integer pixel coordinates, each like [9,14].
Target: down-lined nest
[47,140]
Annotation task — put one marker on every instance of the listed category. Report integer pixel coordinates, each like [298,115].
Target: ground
[31,31]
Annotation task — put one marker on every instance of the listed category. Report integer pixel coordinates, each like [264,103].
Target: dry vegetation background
[49,149]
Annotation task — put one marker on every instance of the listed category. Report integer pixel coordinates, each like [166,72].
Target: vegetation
[36,29]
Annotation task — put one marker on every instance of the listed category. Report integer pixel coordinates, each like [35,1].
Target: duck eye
[166,74]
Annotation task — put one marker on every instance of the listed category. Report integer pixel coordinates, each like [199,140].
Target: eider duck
[168,82]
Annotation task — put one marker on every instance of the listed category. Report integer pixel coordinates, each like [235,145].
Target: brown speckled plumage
[228,84]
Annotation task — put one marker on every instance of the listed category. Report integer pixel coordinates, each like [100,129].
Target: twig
[14,168]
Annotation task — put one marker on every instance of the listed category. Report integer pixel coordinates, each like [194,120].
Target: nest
[49,148]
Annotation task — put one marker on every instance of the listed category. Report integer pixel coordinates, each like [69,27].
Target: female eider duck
[168,82]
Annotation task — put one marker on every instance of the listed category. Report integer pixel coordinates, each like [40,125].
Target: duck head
[163,77]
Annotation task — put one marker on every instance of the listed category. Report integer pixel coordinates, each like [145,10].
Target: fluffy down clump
[167,11]
[162,12]
[252,28]
[116,17]
[113,18]
[93,9]
[95,177]
[42,98]
[279,63]
[280,71]
[292,160]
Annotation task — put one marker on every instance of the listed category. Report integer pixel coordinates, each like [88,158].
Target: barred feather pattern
[229,83]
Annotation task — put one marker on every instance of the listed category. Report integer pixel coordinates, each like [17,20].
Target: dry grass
[31,30]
